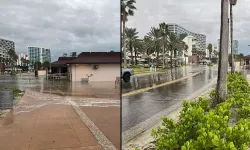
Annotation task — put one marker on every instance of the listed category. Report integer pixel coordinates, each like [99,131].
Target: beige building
[94,66]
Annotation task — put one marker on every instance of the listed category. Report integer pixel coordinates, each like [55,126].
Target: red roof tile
[97,58]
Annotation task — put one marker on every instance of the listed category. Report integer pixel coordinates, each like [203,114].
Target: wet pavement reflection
[137,108]
[60,87]
[143,81]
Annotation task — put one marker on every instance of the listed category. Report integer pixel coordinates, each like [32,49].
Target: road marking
[159,85]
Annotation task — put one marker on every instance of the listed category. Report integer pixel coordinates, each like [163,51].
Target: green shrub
[13,73]
[16,91]
[210,64]
[201,127]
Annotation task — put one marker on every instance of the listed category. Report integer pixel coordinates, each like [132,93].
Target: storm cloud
[61,25]
[199,16]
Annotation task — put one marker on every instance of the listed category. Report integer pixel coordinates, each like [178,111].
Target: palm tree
[232,2]
[147,45]
[173,46]
[241,56]
[210,49]
[138,48]
[127,9]
[164,34]
[131,37]
[155,35]
[221,88]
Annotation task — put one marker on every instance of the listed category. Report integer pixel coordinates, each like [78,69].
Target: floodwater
[64,88]
[142,106]
[143,81]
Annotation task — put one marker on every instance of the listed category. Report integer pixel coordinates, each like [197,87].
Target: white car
[126,74]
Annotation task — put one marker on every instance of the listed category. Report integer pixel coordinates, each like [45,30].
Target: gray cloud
[200,16]
[61,25]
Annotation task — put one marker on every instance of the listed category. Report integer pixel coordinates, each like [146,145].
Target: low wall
[41,72]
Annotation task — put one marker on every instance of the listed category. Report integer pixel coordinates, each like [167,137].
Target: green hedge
[226,127]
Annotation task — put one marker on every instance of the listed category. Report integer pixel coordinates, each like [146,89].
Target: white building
[201,39]
[19,60]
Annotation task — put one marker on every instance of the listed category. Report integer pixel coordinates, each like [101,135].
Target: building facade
[20,57]
[201,39]
[37,54]
[5,46]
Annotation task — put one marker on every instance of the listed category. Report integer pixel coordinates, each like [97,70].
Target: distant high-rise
[36,54]
[5,46]
[201,39]
[65,54]
[73,54]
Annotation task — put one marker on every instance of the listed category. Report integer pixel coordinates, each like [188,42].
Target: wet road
[143,81]
[137,108]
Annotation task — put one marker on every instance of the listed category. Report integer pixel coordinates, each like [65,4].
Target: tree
[221,87]
[131,37]
[138,48]
[210,49]
[127,9]
[164,34]
[155,35]
[240,57]
[37,65]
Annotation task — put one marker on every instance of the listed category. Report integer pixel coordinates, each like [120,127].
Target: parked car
[126,74]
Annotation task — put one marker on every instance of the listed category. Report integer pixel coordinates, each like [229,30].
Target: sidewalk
[42,122]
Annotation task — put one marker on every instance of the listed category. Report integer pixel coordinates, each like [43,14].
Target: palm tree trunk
[163,53]
[124,42]
[221,88]
[131,51]
[175,56]
[171,58]
[135,57]
[231,27]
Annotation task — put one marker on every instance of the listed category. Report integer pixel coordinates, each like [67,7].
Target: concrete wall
[41,72]
[105,72]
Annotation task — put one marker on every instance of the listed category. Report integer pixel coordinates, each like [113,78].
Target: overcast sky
[61,25]
[199,16]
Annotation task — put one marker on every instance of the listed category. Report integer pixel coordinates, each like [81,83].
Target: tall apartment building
[5,46]
[73,54]
[201,39]
[38,54]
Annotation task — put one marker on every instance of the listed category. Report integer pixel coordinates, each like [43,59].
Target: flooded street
[83,114]
[142,106]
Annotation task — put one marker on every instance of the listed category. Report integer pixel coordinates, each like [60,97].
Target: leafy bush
[13,73]
[201,127]
[16,91]
[210,64]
